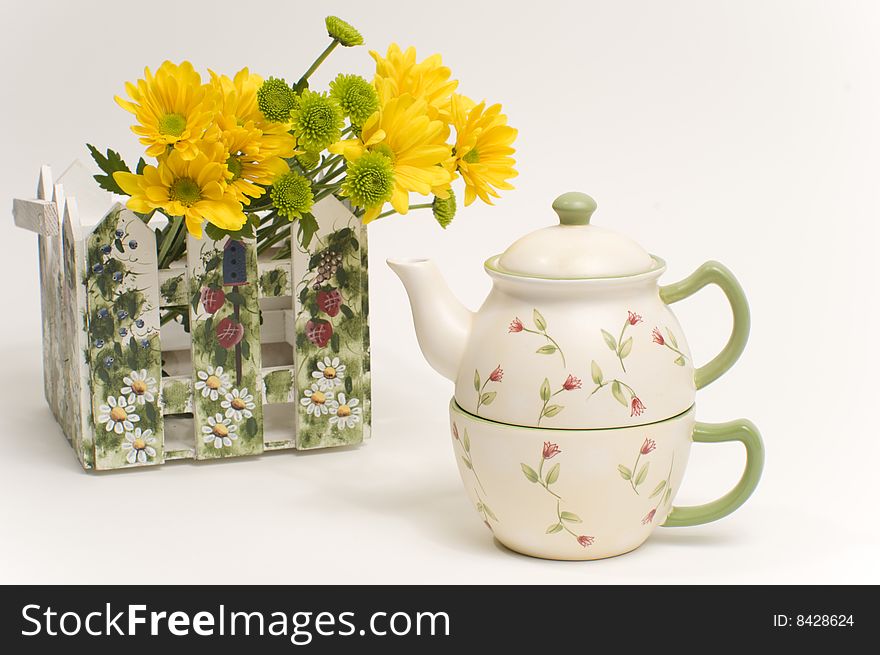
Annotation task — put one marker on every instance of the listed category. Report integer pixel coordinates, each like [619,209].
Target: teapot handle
[739,430]
[715,273]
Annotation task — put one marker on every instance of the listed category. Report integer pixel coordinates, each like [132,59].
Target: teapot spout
[443,324]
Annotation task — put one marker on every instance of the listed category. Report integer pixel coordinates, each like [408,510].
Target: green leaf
[617,392]
[667,495]
[679,361]
[195,302]
[553,474]
[553,529]
[610,341]
[245,348]
[658,489]
[549,349]
[466,441]
[235,297]
[220,356]
[118,244]
[467,463]
[488,397]
[624,471]
[529,472]
[307,228]
[141,165]
[545,390]
[334,342]
[150,411]
[642,474]
[571,517]
[250,426]
[553,410]
[111,163]
[540,322]
[212,263]
[489,512]
[671,338]
[209,326]
[346,310]
[349,385]
[626,348]
[596,372]
[476,381]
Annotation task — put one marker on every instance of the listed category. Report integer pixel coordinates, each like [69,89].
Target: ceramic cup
[590,494]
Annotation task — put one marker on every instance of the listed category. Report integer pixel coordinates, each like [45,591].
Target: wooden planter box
[277,354]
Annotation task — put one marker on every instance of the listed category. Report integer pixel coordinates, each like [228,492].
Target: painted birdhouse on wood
[234,264]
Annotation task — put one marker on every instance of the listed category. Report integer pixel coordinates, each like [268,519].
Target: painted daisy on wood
[138,446]
[139,387]
[118,415]
[344,412]
[329,373]
[220,431]
[213,382]
[239,404]
[316,400]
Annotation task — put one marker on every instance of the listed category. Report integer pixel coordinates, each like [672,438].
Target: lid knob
[574,208]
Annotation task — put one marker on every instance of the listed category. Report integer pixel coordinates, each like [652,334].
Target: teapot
[573,411]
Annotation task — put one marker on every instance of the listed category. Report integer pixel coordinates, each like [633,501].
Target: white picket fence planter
[277,356]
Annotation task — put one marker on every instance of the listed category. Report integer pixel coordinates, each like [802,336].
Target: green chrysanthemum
[275,99]
[317,121]
[292,195]
[343,32]
[357,97]
[444,209]
[308,160]
[369,181]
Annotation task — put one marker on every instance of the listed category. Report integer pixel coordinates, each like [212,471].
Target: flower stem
[317,62]
[174,228]
[425,205]
[632,477]
[620,344]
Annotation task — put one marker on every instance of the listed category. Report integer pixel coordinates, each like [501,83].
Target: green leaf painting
[564,517]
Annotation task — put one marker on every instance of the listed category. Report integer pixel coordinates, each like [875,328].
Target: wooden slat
[219,368]
[75,382]
[124,348]
[343,233]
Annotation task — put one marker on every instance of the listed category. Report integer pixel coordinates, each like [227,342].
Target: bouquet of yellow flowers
[244,156]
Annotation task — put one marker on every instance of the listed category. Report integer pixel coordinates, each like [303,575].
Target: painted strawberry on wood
[329,302]
[212,299]
[319,332]
[229,333]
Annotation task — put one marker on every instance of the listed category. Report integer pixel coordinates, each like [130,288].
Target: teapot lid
[574,249]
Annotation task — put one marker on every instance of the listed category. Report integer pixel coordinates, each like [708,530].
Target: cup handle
[739,430]
[715,273]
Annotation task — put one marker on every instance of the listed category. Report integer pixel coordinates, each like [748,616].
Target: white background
[740,131]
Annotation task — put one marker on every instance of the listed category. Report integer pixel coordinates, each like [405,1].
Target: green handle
[739,430]
[715,273]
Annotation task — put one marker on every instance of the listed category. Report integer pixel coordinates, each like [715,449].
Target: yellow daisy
[427,80]
[249,165]
[415,144]
[173,108]
[196,189]
[239,109]
[482,148]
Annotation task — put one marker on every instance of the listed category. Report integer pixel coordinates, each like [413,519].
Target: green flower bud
[275,99]
[308,160]
[444,209]
[357,97]
[292,195]
[317,121]
[343,32]
[369,180]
